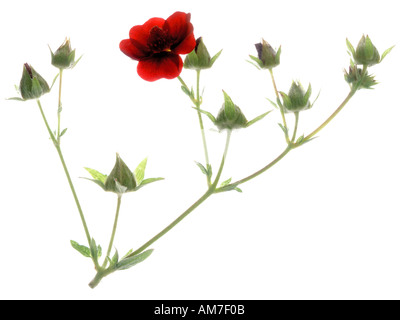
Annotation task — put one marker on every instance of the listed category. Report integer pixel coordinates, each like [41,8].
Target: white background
[322,224]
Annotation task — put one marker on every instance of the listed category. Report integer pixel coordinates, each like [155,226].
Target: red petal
[186,46]
[140,34]
[135,52]
[180,30]
[165,65]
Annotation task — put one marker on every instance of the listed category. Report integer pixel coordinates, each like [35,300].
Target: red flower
[157,45]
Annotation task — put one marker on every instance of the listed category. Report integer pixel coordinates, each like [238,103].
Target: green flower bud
[32,85]
[354,78]
[267,57]
[199,58]
[64,57]
[366,53]
[230,116]
[297,99]
[121,179]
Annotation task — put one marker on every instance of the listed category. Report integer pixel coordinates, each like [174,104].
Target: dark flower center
[158,40]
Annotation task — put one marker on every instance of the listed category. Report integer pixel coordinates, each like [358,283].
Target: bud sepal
[366,53]
[267,58]
[121,179]
[297,99]
[230,116]
[64,56]
[32,85]
[199,58]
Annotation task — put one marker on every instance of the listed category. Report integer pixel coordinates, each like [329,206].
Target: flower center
[158,40]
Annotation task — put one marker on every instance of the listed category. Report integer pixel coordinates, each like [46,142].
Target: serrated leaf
[386,52]
[248,124]
[97,175]
[129,262]
[85,251]
[139,171]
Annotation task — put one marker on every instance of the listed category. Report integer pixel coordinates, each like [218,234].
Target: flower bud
[297,99]
[366,53]
[32,85]
[267,57]
[64,57]
[230,116]
[121,179]
[199,58]
[354,78]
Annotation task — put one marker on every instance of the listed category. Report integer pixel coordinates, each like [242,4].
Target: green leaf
[208,114]
[76,62]
[54,80]
[186,91]
[284,129]
[99,183]
[129,262]
[139,171]
[114,259]
[202,168]
[238,190]
[128,253]
[257,119]
[16,99]
[230,108]
[97,175]
[273,103]
[257,60]
[63,132]
[147,181]
[350,47]
[209,170]
[216,56]
[225,183]
[386,52]
[93,249]
[85,251]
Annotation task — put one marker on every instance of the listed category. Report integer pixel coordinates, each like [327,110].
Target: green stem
[341,106]
[296,123]
[59,107]
[268,166]
[279,103]
[197,103]
[205,196]
[113,231]
[66,172]
[333,115]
